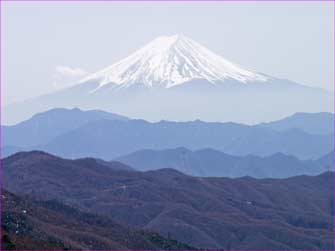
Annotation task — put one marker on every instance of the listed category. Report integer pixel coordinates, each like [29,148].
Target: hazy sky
[47,46]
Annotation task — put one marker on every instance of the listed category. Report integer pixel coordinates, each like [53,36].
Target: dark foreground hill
[48,225]
[209,162]
[244,213]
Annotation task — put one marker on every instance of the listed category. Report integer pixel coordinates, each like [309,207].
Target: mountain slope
[327,160]
[294,213]
[315,123]
[75,133]
[209,162]
[110,139]
[47,125]
[50,225]
[169,61]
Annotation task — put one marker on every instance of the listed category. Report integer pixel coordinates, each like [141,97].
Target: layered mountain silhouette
[210,162]
[177,78]
[316,123]
[45,126]
[108,136]
[212,213]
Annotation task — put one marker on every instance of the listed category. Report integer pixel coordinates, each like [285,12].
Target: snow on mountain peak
[168,61]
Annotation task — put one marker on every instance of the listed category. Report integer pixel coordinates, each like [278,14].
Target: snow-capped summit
[169,61]
[176,78]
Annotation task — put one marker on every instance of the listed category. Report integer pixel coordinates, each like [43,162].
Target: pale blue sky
[47,46]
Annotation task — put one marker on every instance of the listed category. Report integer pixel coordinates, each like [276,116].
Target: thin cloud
[68,71]
[66,76]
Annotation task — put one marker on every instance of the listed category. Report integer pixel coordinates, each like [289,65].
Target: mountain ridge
[109,138]
[44,126]
[213,163]
[209,213]
[321,122]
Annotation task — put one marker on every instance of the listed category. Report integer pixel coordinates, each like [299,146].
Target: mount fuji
[171,61]
[176,78]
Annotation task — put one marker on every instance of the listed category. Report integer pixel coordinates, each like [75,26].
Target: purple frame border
[232,1]
[188,1]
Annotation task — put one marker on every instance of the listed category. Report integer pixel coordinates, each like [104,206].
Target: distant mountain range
[43,127]
[211,213]
[316,123]
[75,134]
[176,78]
[210,162]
